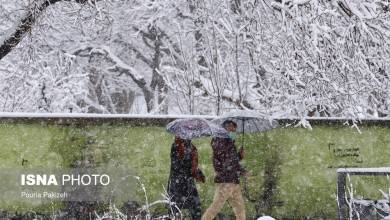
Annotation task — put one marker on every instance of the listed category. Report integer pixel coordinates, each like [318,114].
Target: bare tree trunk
[46,103]
[237,70]
[199,23]
[157,84]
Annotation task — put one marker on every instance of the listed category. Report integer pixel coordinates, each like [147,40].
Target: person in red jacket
[227,174]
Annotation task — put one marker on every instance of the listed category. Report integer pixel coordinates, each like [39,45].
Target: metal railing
[342,173]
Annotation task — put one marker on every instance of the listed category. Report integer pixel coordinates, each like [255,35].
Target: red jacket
[226,161]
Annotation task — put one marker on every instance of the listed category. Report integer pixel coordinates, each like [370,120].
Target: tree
[285,58]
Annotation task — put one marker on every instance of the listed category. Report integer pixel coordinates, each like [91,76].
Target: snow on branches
[283,57]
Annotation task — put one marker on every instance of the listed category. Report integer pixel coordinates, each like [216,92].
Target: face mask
[232,135]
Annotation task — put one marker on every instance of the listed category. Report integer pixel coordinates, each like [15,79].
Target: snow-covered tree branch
[285,58]
[26,23]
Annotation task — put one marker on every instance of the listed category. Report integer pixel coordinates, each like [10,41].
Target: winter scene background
[319,67]
[284,57]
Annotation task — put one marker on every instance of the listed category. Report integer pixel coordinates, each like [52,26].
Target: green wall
[301,162]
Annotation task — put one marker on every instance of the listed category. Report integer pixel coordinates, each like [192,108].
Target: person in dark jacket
[184,171]
[227,174]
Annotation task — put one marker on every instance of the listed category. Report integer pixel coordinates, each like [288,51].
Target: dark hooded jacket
[226,161]
[184,171]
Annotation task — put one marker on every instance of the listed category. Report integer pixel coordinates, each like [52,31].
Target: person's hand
[200,177]
[200,180]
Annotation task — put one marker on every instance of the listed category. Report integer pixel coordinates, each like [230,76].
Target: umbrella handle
[243,133]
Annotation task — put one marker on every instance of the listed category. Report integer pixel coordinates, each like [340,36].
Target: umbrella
[195,128]
[248,121]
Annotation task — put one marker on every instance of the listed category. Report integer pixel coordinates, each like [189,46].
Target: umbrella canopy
[195,128]
[248,121]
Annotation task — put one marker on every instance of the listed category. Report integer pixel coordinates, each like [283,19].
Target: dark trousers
[194,207]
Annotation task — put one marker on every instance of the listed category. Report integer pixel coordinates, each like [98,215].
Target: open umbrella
[248,121]
[195,128]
